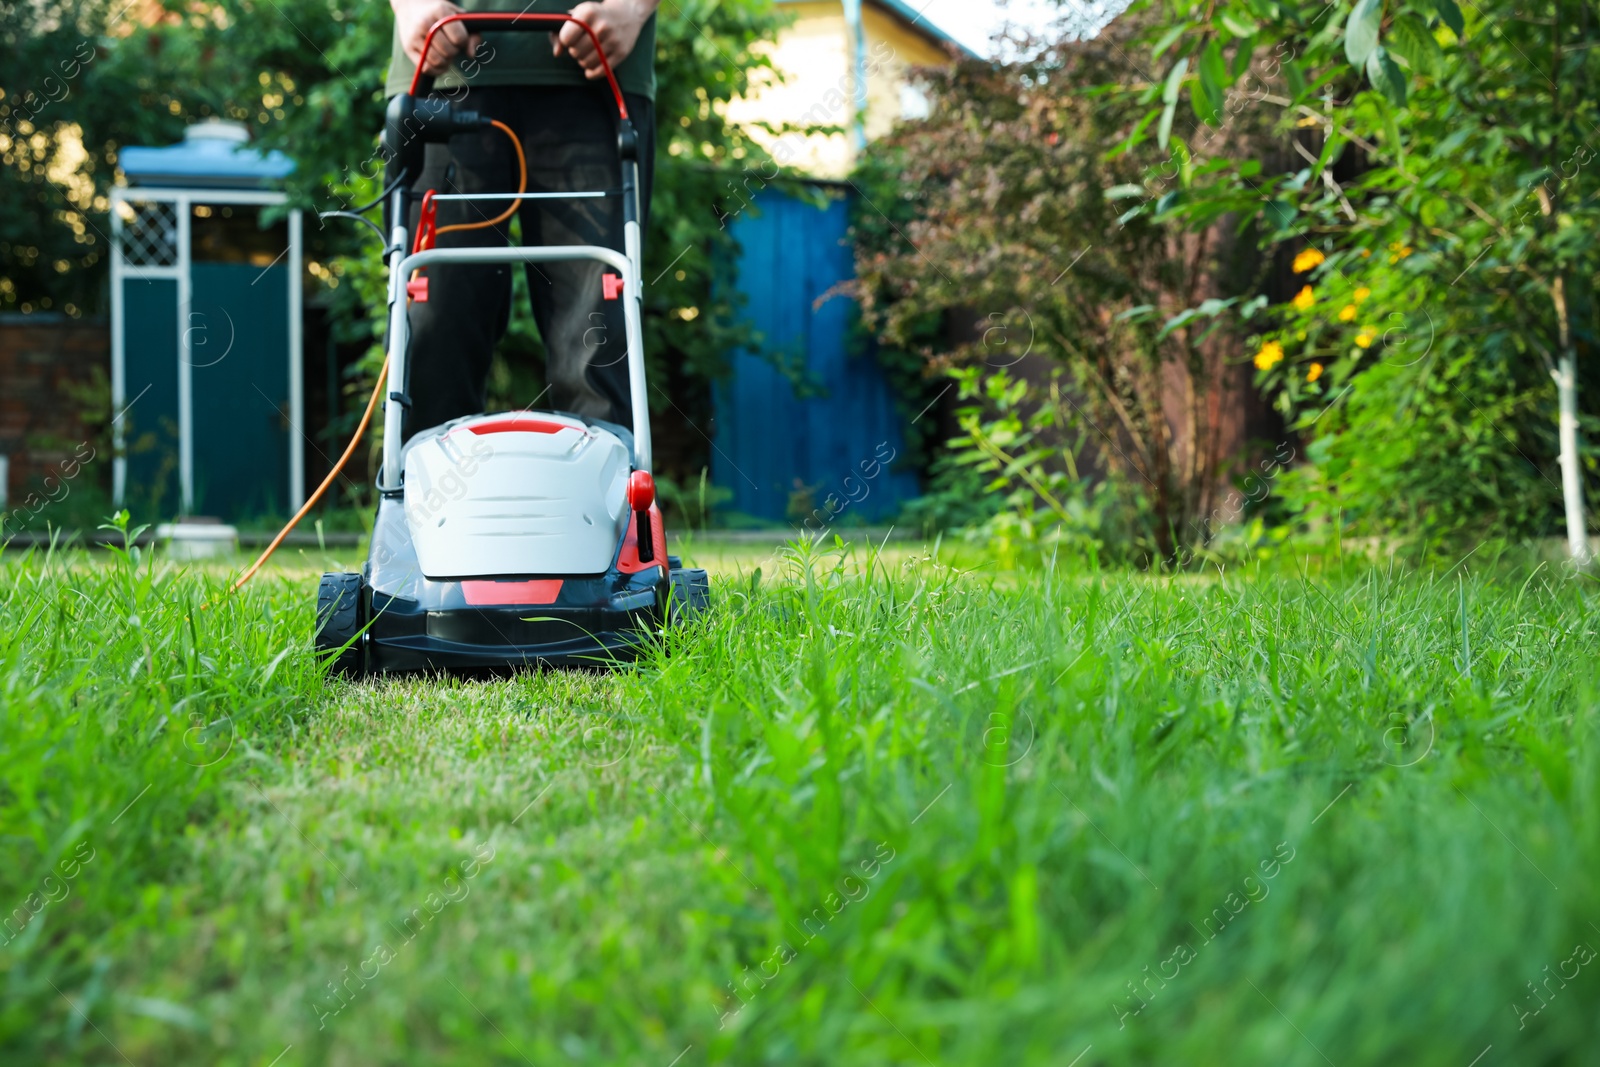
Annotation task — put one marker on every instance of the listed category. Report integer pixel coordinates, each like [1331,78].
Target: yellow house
[842,63]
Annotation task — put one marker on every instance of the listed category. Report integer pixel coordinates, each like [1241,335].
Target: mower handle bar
[594,194]
[506,20]
[626,262]
[402,266]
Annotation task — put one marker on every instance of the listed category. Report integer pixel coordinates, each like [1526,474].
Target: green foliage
[61,96]
[869,806]
[954,498]
[1013,240]
[1441,198]
[689,507]
[878,215]
[1361,31]
[1042,495]
[306,77]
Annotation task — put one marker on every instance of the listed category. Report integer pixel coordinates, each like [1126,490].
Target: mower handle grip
[479,21]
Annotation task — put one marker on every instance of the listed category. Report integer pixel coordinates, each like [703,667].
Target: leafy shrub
[1013,185]
[1440,206]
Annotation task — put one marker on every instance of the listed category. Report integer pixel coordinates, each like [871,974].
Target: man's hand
[615,22]
[413,18]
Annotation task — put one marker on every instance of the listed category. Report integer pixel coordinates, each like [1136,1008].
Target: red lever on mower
[641,491]
[641,495]
[611,285]
[427,223]
[427,233]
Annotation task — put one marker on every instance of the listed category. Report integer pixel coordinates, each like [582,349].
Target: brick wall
[43,357]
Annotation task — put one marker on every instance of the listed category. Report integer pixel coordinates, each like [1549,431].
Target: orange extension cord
[311,501]
[383,372]
[522,186]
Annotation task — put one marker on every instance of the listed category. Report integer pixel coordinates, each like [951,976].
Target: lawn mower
[519,539]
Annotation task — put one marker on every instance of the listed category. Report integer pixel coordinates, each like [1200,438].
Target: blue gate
[835,454]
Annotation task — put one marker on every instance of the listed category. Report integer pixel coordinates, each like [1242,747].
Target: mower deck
[395,616]
[593,622]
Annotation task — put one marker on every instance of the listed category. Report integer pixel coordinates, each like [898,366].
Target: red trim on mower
[427,223]
[533,591]
[628,561]
[520,425]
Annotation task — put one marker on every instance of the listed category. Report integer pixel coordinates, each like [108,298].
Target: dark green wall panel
[150,425]
[238,352]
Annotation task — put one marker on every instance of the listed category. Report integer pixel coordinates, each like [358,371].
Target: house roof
[913,19]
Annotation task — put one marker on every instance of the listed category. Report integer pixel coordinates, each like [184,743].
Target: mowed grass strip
[868,811]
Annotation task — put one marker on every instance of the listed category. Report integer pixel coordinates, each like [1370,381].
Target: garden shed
[206,329]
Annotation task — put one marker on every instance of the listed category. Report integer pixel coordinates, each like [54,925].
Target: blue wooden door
[839,446]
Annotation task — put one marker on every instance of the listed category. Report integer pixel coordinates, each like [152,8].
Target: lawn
[872,810]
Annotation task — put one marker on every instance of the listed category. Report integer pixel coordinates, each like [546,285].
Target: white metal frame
[401,266]
[184,201]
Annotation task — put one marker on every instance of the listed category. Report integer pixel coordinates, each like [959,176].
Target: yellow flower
[1307,259]
[1365,338]
[1270,356]
[1365,253]
[1347,313]
[1309,120]
[1362,293]
[1314,373]
[1303,299]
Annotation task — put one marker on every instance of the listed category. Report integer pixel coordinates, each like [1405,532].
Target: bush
[1437,199]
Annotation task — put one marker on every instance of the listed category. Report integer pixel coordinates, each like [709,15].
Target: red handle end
[641,491]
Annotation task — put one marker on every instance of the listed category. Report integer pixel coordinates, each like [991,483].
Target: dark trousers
[569,135]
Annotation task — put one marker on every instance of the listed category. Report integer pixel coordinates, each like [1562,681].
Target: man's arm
[615,22]
[413,18]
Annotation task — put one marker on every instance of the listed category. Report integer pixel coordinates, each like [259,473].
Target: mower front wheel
[691,594]
[341,616]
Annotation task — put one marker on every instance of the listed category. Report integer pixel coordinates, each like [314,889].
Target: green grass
[1349,813]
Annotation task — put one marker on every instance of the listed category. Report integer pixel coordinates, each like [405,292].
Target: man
[552,91]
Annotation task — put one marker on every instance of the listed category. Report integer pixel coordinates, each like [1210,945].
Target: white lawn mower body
[516,494]
[517,539]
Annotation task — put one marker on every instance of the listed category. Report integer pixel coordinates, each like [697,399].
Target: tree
[55,165]
[1019,181]
[1443,210]
[306,77]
